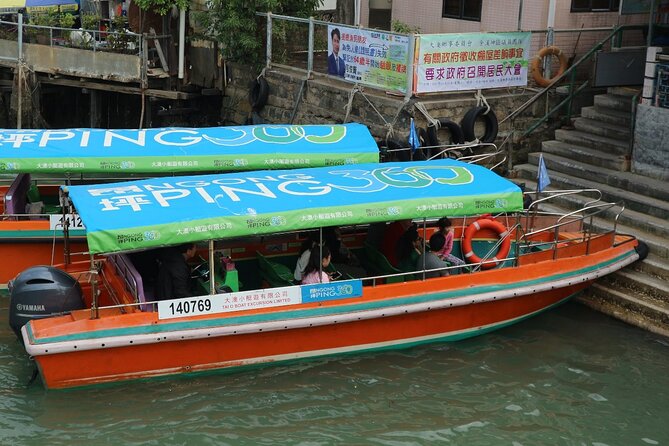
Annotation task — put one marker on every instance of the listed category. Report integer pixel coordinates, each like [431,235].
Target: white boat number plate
[56,221]
[224,303]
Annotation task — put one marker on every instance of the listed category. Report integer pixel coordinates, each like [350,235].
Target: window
[462,9]
[594,5]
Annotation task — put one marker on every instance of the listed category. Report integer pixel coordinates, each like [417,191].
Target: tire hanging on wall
[258,93]
[453,128]
[491,126]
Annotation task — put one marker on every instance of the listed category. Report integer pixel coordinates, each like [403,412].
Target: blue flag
[542,174]
[414,142]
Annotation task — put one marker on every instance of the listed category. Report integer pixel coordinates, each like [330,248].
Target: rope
[349,104]
[299,99]
[388,125]
[262,74]
[481,100]
[421,108]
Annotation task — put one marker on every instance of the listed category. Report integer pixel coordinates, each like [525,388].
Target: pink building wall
[498,15]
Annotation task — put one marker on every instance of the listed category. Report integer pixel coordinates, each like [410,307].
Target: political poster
[368,57]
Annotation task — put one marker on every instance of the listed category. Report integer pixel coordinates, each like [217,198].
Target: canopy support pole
[212,275]
[95,311]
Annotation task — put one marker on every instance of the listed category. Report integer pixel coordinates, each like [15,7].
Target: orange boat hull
[75,351]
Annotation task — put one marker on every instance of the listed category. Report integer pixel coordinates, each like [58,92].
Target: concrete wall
[75,62]
[650,155]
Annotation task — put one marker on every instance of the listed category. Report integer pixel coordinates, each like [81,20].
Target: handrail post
[572,83]
[268,55]
[310,56]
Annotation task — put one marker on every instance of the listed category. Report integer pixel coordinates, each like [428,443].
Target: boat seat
[132,279]
[378,265]
[274,273]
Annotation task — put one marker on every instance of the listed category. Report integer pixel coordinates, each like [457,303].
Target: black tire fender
[453,128]
[258,93]
[491,125]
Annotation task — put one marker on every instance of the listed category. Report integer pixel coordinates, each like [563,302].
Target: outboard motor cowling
[42,291]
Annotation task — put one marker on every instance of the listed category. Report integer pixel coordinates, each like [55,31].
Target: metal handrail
[562,193]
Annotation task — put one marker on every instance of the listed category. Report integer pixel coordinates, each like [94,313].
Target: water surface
[567,377]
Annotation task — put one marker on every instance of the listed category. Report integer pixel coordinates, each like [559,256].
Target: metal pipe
[95,312]
[268,54]
[212,265]
[520,15]
[310,57]
[182,41]
[19,69]
[412,46]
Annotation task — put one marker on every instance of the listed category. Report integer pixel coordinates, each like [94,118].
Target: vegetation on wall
[235,26]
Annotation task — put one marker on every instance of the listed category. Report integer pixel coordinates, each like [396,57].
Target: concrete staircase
[594,154]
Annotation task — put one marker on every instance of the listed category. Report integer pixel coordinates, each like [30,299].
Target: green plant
[161,7]
[90,21]
[400,27]
[66,20]
[234,25]
[45,18]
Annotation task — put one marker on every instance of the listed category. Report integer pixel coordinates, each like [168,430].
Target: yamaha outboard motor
[39,292]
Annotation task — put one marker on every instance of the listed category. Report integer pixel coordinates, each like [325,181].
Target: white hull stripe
[232,330]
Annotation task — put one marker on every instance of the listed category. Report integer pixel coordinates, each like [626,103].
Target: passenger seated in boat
[430,260]
[173,280]
[342,258]
[393,233]
[445,228]
[315,271]
[303,258]
[409,248]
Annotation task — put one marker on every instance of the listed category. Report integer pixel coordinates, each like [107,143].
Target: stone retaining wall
[324,100]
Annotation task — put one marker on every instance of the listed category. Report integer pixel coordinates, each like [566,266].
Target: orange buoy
[476,226]
[537,64]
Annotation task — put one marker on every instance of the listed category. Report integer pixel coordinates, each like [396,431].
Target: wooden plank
[156,42]
[150,92]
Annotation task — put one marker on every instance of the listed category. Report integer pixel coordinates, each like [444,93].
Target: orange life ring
[537,69]
[476,226]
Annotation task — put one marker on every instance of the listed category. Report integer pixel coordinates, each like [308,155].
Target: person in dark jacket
[174,274]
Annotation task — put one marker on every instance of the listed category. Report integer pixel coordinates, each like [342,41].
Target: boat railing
[587,212]
[456,151]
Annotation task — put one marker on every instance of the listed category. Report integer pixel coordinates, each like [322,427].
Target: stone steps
[584,139]
[595,155]
[602,128]
[628,307]
[607,102]
[651,287]
[654,266]
[614,117]
[627,181]
[586,154]
[561,178]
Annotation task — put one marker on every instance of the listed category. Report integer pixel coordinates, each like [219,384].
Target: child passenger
[445,228]
[315,270]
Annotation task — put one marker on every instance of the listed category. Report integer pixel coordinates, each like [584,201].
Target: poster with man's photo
[368,57]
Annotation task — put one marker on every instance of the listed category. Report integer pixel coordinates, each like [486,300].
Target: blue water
[568,377]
